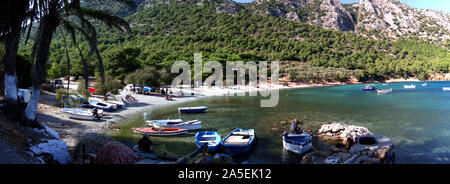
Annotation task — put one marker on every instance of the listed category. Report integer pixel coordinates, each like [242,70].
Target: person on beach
[145,144]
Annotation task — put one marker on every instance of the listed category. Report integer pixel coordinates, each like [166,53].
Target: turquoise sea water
[417,120]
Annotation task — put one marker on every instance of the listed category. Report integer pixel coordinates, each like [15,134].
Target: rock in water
[362,147]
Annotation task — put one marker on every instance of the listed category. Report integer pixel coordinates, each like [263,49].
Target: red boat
[160,131]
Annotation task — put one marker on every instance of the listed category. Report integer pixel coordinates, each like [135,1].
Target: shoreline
[71,130]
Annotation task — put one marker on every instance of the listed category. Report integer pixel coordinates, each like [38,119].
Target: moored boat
[192,109]
[385,91]
[425,84]
[170,121]
[239,141]
[445,88]
[189,125]
[212,139]
[100,104]
[160,131]
[83,114]
[297,143]
[369,88]
[409,86]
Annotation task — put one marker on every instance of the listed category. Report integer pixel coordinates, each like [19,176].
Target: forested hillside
[166,32]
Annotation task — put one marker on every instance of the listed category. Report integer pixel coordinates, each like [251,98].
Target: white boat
[409,86]
[385,91]
[424,84]
[445,88]
[83,114]
[118,103]
[188,125]
[385,84]
[151,122]
[101,104]
[297,143]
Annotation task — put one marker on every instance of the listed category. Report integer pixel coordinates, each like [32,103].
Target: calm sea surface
[417,120]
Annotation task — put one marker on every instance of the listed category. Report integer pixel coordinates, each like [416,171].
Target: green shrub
[111,85]
[82,89]
[60,95]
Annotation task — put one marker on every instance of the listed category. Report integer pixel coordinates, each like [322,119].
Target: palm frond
[105,17]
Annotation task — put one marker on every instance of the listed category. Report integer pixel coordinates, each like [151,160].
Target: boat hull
[162,132]
[297,143]
[81,114]
[194,126]
[213,140]
[238,149]
[295,148]
[364,89]
[189,110]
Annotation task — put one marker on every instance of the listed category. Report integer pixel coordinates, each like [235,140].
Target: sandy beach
[71,130]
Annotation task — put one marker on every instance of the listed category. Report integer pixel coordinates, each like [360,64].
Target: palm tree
[14,15]
[73,18]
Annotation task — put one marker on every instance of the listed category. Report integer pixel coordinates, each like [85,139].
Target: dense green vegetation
[165,33]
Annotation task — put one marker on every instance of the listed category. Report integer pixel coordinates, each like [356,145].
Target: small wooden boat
[297,143]
[369,88]
[192,109]
[212,139]
[83,114]
[238,141]
[178,123]
[100,104]
[409,86]
[385,91]
[445,88]
[160,131]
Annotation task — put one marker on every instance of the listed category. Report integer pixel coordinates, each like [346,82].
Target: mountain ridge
[378,19]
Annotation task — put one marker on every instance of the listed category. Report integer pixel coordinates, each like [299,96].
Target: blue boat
[192,109]
[213,140]
[239,141]
[369,88]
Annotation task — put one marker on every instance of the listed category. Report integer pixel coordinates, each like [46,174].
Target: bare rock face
[336,16]
[228,7]
[329,14]
[354,145]
[395,19]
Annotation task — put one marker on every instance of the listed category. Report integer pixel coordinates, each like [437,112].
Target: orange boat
[159,131]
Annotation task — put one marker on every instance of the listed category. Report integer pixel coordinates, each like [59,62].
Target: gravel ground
[9,155]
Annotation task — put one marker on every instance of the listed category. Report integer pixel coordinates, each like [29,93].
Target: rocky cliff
[326,13]
[394,19]
[379,19]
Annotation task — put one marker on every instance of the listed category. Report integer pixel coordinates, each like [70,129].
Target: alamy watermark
[257,76]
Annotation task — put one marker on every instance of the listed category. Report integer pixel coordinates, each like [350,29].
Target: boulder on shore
[352,145]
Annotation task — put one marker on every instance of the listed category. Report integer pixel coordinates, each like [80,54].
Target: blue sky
[442,5]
